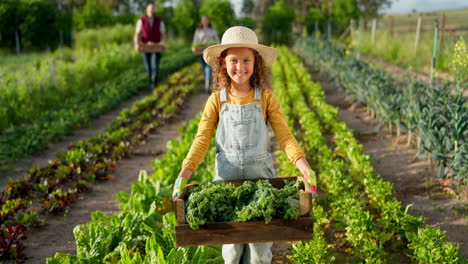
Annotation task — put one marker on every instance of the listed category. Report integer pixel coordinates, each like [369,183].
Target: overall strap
[223,96]
[258,94]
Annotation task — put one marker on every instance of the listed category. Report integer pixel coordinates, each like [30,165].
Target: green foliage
[185,19]
[220,12]
[77,110]
[315,251]
[126,19]
[314,15]
[37,22]
[429,247]
[93,15]
[97,38]
[277,24]
[459,63]
[342,13]
[247,22]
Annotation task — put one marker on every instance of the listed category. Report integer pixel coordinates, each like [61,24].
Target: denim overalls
[243,152]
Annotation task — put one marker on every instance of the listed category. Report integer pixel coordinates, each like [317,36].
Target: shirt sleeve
[208,123]
[195,37]
[216,36]
[162,27]
[278,122]
[138,26]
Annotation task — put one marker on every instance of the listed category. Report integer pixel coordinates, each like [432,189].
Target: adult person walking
[205,35]
[150,29]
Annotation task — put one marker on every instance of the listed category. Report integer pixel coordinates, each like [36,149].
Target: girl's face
[239,64]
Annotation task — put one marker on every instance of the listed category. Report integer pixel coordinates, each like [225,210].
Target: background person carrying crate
[240,107]
[150,29]
[204,36]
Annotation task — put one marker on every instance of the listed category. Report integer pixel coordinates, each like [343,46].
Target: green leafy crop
[218,202]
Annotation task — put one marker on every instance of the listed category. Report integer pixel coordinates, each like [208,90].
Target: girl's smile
[239,64]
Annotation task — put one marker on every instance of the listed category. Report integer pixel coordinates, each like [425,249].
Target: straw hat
[239,37]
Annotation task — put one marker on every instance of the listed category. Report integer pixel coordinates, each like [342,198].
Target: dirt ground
[414,181]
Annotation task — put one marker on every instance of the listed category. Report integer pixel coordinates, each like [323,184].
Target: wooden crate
[198,51]
[152,48]
[246,232]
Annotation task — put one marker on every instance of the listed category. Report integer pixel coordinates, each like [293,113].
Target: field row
[436,115]
[55,187]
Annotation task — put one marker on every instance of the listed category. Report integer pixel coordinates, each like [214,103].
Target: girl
[205,34]
[239,108]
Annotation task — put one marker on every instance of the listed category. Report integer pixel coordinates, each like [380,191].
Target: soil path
[57,236]
[414,181]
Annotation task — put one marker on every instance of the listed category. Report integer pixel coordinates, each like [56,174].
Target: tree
[220,12]
[277,24]
[314,15]
[370,8]
[185,19]
[342,13]
[247,7]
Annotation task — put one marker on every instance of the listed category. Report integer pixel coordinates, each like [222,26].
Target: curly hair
[261,76]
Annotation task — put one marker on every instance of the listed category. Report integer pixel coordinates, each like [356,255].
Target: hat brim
[211,54]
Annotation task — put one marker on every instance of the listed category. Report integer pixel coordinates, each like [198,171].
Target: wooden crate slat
[245,232]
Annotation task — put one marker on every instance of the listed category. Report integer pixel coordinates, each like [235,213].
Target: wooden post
[434,54]
[374,25]
[358,54]
[442,36]
[316,29]
[17,42]
[392,26]
[418,31]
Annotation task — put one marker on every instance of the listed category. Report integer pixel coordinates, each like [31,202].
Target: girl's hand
[312,179]
[309,175]
[178,187]
[181,181]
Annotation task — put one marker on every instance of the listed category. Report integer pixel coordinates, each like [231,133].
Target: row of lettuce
[53,188]
[144,230]
[52,96]
[356,218]
[359,205]
[437,115]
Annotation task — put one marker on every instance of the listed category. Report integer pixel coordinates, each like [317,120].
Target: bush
[126,19]
[343,12]
[93,15]
[314,16]
[185,19]
[247,22]
[220,13]
[277,24]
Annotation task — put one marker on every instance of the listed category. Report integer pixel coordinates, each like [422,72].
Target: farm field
[335,238]
[402,50]
[90,150]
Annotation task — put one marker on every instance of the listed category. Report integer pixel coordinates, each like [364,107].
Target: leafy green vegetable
[218,202]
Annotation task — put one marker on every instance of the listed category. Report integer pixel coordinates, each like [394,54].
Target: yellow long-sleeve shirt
[272,114]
